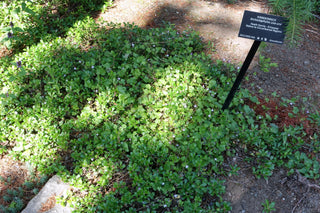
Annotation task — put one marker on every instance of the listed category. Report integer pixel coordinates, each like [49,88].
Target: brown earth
[297,74]
[298,71]
[12,170]
[13,175]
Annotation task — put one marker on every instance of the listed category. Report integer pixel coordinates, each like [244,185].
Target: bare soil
[13,175]
[298,71]
[16,173]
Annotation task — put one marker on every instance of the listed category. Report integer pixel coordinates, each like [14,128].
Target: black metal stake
[241,74]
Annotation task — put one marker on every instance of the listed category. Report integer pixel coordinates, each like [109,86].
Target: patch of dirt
[216,21]
[290,193]
[4,52]
[298,71]
[13,174]
[280,115]
[297,74]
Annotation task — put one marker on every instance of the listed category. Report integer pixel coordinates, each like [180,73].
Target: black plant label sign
[263,27]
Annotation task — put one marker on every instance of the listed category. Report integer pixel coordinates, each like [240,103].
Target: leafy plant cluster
[268,206]
[26,22]
[15,198]
[265,63]
[131,117]
[102,107]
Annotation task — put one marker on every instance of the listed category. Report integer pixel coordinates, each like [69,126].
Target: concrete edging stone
[53,188]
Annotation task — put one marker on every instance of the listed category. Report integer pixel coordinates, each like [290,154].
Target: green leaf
[16,11]
[295,110]
[274,128]
[5,39]
[28,10]
[247,109]
[6,29]
[23,6]
[121,89]
[125,147]
[17,29]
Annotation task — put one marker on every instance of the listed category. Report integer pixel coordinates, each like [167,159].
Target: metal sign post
[259,27]
[241,74]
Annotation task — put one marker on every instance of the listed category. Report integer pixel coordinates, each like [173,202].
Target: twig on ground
[311,26]
[304,195]
[304,181]
[316,16]
[313,31]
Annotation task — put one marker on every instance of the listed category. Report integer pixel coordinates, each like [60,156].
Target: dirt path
[216,22]
[297,74]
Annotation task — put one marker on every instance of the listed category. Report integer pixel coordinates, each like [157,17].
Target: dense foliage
[26,22]
[131,118]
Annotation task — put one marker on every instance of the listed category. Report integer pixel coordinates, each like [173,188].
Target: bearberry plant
[131,118]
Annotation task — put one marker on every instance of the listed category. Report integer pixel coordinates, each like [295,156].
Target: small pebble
[279,193]
[306,62]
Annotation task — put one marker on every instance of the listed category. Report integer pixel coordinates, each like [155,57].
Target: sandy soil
[215,21]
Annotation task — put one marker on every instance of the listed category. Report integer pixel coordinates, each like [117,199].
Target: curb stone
[53,188]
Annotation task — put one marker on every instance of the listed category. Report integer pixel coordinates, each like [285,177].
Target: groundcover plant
[131,118]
